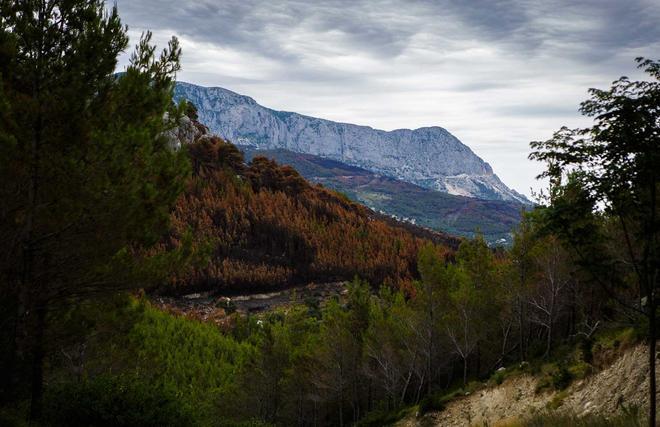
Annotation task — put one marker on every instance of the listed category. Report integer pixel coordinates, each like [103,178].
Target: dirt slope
[624,382]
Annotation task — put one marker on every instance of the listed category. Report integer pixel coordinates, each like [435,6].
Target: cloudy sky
[495,73]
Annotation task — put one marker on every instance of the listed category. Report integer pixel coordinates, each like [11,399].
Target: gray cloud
[498,73]
[537,110]
[385,28]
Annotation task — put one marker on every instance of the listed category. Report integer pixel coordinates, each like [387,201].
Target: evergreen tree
[603,200]
[522,274]
[86,176]
[430,308]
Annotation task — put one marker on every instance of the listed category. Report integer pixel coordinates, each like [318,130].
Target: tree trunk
[652,341]
[521,327]
[405,387]
[419,389]
[36,387]
[20,343]
[478,367]
[465,366]
[548,344]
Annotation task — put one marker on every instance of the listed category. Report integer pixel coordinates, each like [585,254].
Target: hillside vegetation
[457,215]
[264,226]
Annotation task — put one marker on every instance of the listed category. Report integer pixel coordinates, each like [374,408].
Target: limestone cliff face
[430,157]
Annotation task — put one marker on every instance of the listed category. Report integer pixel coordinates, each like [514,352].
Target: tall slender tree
[604,195]
[87,178]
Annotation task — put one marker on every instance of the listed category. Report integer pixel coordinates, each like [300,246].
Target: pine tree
[87,178]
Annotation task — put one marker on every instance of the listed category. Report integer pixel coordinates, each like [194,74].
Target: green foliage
[87,176]
[279,366]
[437,401]
[379,417]
[580,370]
[557,400]
[617,338]
[498,377]
[136,347]
[433,402]
[191,357]
[116,401]
[554,376]
[602,202]
[90,145]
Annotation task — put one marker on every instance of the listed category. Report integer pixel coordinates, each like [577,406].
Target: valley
[176,255]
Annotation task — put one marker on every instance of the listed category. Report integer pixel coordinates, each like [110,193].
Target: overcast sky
[495,73]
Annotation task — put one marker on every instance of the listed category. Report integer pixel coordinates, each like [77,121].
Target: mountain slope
[265,227]
[430,157]
[453,214]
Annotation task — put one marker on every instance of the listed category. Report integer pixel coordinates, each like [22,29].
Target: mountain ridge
[429,156]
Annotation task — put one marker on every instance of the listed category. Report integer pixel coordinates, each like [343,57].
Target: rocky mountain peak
[430,157]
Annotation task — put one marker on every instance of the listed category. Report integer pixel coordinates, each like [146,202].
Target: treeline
[355,359]
[263,226]
[378,352]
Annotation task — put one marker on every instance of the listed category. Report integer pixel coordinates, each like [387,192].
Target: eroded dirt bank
[624,382]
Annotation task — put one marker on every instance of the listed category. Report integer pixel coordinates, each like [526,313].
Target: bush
[381,417]
[554,376]
[617,339]
[580,370]
[437,401]
[561,378]
[433,402]
[107,401]
[498,377]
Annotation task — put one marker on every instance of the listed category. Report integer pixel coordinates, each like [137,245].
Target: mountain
[456,215]
[262,226]
[429,157]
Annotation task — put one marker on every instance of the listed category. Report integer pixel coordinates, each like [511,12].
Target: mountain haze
[430,157]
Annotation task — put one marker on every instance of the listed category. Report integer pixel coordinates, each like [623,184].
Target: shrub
[616,338]
[381,417]
[498,377]
[554,376]
[437,401]
[561,378]
[432,402]
[580,370]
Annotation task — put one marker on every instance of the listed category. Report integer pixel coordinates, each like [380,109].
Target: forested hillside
[456,215]
[263,226]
